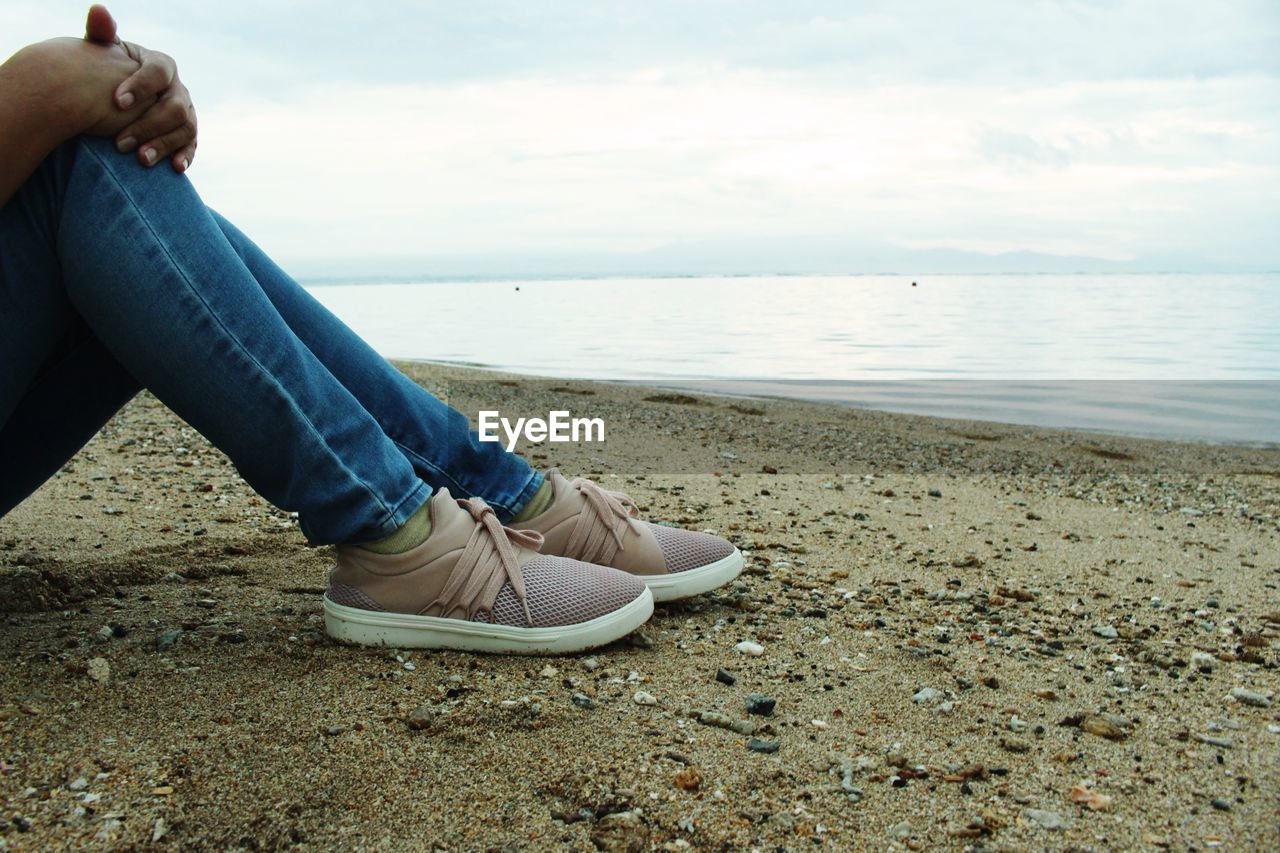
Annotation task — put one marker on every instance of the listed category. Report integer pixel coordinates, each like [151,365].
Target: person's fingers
[171,142]
[183,159]
[152,78]
[168,114]
[100,26]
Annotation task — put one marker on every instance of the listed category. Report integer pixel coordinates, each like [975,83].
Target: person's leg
[146,266]
[436,439]
[78,392]
[57,384]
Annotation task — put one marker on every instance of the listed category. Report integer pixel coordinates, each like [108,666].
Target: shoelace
[597,537]
[488,561]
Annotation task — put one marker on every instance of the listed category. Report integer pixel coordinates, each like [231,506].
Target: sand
[977,636]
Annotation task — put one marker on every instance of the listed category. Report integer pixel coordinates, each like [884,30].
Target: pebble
[1220,804]
[761,706]
[749,648]
[766,746]
[174,577]
[1108,726]
[1250,697]
[640,640]
[1223,742]
[549,671]
[591,663]
[928,696]
[725,677]
[644,698]
[166,641]
[935,493]
[1107,632]
[582,700]
[422,718]
[104,634]
[1203,661]
[99,670]
[1044,819]
[206,603]
[724,721]
[78,784]
[621,831]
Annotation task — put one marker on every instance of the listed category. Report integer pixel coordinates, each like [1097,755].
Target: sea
[1192,357]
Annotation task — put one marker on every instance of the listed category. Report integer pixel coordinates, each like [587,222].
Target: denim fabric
[115,278]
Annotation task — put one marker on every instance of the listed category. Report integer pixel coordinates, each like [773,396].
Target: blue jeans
[115,278]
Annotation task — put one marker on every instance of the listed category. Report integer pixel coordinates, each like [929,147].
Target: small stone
[104,634]
[334,731]
[725,677]
[166,641]
[1044,819]
[621,832]
[642,697]
[582,700]
[78,784]
[1107,632]
[158,830]
[99,670]
[1017,724]
[1220,742]
[1090,798]
[1250,697]
[761,706]
[1107,726]
[766,746]
[174,577]
[422,718]
[935,493]
[1203,661]
[724,721]
[928,696]
[549,671]
[1220,804]
[206,603]
[640,640]
[688,779]
[747,647]
[591,663]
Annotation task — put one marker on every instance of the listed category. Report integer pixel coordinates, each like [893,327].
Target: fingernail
[126,100]
[149,155]
[185,163]
[124,146]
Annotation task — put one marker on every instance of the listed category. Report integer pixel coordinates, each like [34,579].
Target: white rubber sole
[407,631]
[694,581]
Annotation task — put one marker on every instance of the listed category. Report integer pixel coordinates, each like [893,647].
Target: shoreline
[976,634]
[880,401]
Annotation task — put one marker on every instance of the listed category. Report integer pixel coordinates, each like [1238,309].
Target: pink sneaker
[475,585]
[586,522]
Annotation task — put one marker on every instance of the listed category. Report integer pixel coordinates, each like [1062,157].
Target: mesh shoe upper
[686,549]
[561,592]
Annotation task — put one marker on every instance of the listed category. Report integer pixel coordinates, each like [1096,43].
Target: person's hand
[168,127]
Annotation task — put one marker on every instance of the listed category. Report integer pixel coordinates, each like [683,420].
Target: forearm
[31,126]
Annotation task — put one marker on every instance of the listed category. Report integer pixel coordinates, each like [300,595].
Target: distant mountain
[776,256]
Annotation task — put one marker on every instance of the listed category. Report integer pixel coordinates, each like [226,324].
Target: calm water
[1190,341]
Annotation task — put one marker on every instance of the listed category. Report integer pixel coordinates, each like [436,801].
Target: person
[115,277]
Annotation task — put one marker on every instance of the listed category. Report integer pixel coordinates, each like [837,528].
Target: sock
[536,505]
[414,532]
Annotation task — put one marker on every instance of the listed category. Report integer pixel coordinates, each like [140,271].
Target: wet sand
[976,636]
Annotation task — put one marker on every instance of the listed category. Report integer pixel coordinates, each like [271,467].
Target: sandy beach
[973,636]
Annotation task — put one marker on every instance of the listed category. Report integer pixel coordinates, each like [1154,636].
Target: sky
[727,135]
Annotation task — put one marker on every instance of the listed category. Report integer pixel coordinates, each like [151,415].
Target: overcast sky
[1142,131]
